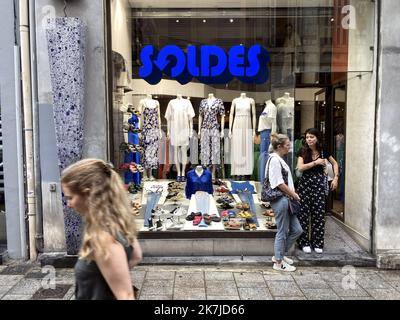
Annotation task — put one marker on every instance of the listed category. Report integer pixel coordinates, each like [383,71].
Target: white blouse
[275,171]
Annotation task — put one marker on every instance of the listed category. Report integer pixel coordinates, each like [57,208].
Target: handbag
[328,169]
[294,207]
[268,194]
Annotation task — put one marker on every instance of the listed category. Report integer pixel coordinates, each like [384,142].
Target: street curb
[68,261]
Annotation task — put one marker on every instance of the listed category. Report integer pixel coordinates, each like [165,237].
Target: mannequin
[285,106]
[209,131]
[198,179]
[150,124]
[242,130]
[180,116]
[266,126]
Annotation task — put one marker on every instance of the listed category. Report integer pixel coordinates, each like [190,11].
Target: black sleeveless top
[90,283]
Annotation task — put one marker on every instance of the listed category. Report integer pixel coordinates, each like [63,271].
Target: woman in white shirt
[289,228]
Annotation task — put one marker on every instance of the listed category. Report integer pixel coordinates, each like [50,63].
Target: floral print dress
[150,137]
[210,131]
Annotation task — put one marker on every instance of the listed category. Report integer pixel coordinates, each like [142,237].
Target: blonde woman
[109,247]
[288,226]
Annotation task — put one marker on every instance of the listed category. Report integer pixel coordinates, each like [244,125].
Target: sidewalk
[25,281]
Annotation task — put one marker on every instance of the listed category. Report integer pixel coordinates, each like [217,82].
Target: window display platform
[230,213]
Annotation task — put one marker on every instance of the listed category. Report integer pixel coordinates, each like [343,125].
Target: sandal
[232,225]
[269,213]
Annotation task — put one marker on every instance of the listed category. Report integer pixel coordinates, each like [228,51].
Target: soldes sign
[209,64]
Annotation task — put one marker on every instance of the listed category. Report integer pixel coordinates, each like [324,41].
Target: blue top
[195,183]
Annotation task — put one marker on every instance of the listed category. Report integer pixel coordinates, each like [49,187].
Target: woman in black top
[92,188]
[313,190]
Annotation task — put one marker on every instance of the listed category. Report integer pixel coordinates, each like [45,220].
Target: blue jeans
[265,140]
[262,162]
[289,228]
[152,200]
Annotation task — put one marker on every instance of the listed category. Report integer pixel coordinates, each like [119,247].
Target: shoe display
[307,249]
[284,267]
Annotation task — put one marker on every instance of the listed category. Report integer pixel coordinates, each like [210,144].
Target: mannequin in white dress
[180,116]
[150,124]
[209,132]
[242,130]
[285,108]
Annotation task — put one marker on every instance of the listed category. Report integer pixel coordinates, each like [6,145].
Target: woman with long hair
[313,190]
[288,227]
[109,246]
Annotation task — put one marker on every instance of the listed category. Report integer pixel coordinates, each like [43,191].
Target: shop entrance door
[330,117]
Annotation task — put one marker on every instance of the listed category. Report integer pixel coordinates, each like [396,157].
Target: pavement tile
[156,297]
[396,285]
[16,297]
[372,281]
[332,276]
[357,298]
[277,276]
[310,281]
[160,275]
[70,294]
[189,279]
[320,294]
[18,269]
[210,297]
[387,275]
[284,288]
[189,294]
[58,293]
[254,294]
[226,288]
[4,290]
[26,287]
[384,294]
[138,278]
[157,287]
[249,279]
[220,275]
[10,280]
[291,298]
[345,290]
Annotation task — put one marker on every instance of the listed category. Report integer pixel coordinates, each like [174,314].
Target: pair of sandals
[134,188]
[250,226]
[222,189]
[136,208]
[180,179]
[269,213]
[128,147]
[245,214]
[133,167]
[232,225]
[243,206]
[270,223]
[127,127]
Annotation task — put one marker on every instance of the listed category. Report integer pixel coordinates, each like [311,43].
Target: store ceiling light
[204,20]
[177,20]
[332,19]
[231,20]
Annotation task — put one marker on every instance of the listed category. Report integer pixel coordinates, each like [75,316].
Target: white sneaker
[286,259]
[307,249]
[284,267]
[318,250]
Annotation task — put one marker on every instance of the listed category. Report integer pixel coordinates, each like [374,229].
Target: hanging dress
[133,138]
[242,139]
[150,136]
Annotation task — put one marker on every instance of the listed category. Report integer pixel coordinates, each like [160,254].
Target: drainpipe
[28,129]
[36,141]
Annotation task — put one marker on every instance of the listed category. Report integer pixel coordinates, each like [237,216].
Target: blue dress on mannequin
[133,138]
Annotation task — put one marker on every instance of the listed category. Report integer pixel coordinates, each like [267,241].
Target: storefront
[320,68]
[318,54]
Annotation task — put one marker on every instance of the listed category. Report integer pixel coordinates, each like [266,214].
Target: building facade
[336,59]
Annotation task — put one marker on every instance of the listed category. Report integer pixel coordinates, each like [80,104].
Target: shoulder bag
[268,194]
